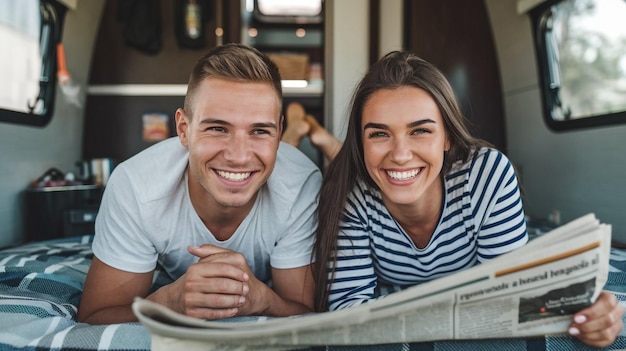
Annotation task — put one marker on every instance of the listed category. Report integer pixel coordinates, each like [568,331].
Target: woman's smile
[403,175]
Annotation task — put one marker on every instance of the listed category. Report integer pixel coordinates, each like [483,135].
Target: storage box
[291,66]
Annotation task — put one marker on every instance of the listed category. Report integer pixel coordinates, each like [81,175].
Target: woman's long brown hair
[394,70]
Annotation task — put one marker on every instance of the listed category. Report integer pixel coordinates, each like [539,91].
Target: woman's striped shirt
[482,218]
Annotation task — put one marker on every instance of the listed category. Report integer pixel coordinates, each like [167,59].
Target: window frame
[539,17]
[52,16]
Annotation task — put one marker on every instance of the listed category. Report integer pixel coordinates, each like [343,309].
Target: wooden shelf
[311,90]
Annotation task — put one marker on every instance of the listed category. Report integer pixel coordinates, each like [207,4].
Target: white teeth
[235,177]
[403,175]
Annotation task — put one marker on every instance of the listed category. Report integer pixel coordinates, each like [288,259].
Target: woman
[412,196]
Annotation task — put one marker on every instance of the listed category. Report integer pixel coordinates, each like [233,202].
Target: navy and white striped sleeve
[355,279]
[504,225]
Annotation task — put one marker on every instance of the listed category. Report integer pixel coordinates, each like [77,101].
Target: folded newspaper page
[534,290]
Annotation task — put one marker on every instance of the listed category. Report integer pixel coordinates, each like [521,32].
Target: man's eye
[216,129]
[260,132]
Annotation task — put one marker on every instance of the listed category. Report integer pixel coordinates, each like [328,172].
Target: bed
[41,285]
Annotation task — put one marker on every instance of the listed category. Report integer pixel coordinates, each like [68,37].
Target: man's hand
[248,296]
[599,324]
[222,285]
[214,287]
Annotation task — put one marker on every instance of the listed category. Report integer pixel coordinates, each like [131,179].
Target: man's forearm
[164,296]
[111,315]
[285,308]
[274,305]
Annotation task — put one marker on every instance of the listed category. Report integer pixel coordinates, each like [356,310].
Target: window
[30,31]
[581,50]
[288,11]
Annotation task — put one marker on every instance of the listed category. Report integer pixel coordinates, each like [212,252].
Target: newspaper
[534,290]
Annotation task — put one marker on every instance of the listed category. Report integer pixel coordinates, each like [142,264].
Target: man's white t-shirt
[146,215]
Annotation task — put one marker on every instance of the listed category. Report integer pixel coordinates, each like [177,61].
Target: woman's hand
[599,324]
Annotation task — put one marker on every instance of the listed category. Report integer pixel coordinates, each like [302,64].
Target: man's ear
[182,126]
[281,120]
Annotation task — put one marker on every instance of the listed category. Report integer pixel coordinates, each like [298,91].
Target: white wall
[391,26]
[347,55]
[347,51]
[575,172]
[27,152]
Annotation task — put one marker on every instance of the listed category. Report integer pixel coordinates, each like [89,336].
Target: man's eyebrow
[214,121]
[271,125]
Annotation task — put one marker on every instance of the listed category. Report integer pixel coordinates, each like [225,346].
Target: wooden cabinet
[57,212]
[125,82]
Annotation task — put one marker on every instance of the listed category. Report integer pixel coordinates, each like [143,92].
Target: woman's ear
[182,126]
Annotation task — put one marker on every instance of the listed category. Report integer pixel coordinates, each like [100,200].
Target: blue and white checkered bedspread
[40,289]
[41,285]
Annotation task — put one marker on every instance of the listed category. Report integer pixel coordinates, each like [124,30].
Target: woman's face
[404,140]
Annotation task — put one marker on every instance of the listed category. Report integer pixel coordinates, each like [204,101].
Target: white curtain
[20,57]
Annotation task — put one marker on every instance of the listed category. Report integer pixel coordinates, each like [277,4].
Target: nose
[238,149]
[401,152]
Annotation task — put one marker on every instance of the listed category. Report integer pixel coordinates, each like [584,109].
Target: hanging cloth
[142,24]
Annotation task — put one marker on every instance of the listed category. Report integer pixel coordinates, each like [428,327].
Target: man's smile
[233,176]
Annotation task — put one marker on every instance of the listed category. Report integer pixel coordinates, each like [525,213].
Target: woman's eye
[420,131]
[376,134]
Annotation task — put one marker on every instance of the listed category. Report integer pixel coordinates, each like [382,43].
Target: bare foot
[297,127]
[322,139]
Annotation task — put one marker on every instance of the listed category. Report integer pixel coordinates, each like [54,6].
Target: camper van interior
[86,84]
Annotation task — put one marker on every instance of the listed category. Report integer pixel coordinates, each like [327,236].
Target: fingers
[206,250]
[599,324]
[206,313]
[214,290]
[215,279]
[214,254]
[216,286]
[221,272]
[213,306]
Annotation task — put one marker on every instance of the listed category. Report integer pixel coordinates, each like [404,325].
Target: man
[224,209]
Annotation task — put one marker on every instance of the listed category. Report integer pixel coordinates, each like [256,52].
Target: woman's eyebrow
[375,126]
[420,122]
[410,125]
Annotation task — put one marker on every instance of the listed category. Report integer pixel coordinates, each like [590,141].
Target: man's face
[232,137]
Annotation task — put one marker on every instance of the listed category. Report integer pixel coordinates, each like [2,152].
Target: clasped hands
[219,285]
